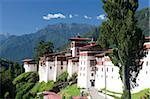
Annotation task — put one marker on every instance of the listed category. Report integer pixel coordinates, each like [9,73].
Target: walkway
[94,94]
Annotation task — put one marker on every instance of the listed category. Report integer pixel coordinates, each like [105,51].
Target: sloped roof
[78,38]
[91,47]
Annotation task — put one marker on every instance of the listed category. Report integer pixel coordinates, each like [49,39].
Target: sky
[19,17]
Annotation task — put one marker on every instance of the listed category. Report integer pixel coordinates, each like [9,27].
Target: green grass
[140,94]
[42,86]
[70,91]
[111,91]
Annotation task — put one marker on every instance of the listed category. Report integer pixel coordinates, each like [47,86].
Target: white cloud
[54,16]
[102,17]
[87,17]
[70,16]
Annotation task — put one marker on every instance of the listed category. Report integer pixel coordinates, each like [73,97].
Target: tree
[43,48]
[9,70]
[121,33]
[24,83]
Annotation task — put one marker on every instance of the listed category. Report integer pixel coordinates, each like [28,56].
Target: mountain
[143,20]
[4,36]
[16,48]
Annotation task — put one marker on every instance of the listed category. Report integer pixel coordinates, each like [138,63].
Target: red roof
[147,37]
[28,60]
[89,45]
[147,45]
[51,95]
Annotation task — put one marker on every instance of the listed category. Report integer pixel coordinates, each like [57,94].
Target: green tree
[120,31]
[43,48]
[9,70]
[24,83]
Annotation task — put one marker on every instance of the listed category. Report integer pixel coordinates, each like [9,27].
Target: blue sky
[27,16]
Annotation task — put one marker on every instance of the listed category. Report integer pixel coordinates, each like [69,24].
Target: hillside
[143,20]
[4,36]
[16,48]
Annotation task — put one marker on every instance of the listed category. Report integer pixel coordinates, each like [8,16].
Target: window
[101,76]
[102,69]
[84,68]
[146,72]
[61,62]
[80,68]
[50,67]
[83,74]
[92,62]
[107,69]
[61,67]
[81,62]
[84,62]
[80,74]
[112,77]
[92,74]
[147,63]
[112,69]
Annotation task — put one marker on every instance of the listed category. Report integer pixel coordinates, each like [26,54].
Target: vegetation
[143,94]
[41,86]
[58,34]
[143,20]
[27,85]
[43,48]
[121,31]
[8,71]
[69,91]
[24,83]
[62,77]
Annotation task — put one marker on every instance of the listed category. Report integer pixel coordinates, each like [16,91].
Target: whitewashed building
[73,64]
[107,75]
[30,65]
[143,78]
[90,62]
[51,66]
[87,63]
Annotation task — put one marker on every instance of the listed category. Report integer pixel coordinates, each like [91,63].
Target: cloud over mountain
[87,17]
[54,16]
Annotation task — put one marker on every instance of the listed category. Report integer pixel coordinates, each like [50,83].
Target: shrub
[39,87]
[26,77]
[62,77]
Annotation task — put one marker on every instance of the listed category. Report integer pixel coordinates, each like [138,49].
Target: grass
[111,91]
[141,94]
[42,86]
[115,97]
[70,91]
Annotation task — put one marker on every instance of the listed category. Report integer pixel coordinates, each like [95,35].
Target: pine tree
[121,32]
[43,48]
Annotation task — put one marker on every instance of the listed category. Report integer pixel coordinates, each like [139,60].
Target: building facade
[90,62]
[30,65]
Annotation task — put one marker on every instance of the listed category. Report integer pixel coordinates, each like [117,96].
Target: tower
[76,43]
[30,65]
